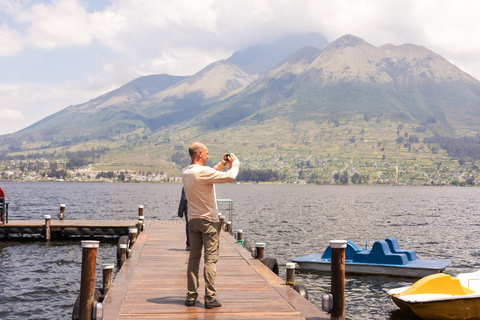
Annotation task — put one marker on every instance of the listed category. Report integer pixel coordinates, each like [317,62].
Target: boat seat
[381,254]
[395,248]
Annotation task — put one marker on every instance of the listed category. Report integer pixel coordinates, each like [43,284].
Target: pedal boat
[385,258]
[441,296]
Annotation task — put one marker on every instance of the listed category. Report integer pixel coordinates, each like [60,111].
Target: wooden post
[239,235]
[141,221]
[338,278]
[290,273]
[48,236]
[140,211]
[260,246]
[139,226]
[123,250]
[87,285]
[62,211]
[132,234]
[229,227]
[107,277]
[222,221]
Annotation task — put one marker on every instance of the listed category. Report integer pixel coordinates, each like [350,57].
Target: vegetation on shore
[357,150]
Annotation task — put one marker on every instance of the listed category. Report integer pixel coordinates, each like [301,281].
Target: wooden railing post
[338,278]
[48,233]
[62,211]
[239,235]
[87,284]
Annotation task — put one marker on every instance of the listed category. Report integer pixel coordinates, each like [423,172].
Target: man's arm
[214,176]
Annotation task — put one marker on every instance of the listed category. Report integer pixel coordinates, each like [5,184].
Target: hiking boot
[190,303]
[213,304]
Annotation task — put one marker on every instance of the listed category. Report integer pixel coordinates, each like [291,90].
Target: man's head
[199,153]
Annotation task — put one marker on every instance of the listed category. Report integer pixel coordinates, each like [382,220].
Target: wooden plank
[152,285]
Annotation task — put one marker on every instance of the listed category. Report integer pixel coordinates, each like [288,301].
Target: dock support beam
[87,284]
[338,278]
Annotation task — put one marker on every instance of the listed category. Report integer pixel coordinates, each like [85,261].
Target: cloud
[62,23]
[11,41]
[33,102]
[10,114]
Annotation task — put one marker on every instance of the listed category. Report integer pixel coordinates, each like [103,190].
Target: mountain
[374,111]
[351,77]
[261,58]
[152,102]
[108,110]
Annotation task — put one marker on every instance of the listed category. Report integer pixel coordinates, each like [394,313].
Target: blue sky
[57,53]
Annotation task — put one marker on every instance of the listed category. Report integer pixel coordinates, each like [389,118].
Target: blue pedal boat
[385,258]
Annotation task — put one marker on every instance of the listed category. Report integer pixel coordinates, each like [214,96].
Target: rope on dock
[243,245]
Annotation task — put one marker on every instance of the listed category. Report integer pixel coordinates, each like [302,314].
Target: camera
[227,157]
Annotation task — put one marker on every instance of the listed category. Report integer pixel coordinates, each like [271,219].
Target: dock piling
[123,253]
[62,211]
[338,278]
[260,251]
[228,228]
[290,273]
[222,221]
[140,211]
[107,277]
[132,233]
[47,227]
[87,284]
[239,235]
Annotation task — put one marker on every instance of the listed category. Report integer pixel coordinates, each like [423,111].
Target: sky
[57,53]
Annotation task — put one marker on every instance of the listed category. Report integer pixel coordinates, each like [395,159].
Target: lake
[41,280]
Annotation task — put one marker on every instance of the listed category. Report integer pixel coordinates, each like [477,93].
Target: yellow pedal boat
[441,296]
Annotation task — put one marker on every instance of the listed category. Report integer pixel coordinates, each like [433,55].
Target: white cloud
[11,41]
[62,23]
[28,103]
[10,114]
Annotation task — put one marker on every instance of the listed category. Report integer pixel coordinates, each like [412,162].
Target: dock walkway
[152,283]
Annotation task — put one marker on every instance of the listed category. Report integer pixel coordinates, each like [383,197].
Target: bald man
[204,225]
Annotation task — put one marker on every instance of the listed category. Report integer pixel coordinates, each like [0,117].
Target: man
[204,225]
[183,210]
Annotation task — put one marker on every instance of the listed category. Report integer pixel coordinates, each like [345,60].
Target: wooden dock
[152,284]
[65,228]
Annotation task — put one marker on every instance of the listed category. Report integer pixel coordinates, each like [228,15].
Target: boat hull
[457,308]
[417,270]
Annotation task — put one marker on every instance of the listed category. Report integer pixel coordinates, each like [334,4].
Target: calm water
[40,280]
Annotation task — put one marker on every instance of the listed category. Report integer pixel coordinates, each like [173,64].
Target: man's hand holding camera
[228,158]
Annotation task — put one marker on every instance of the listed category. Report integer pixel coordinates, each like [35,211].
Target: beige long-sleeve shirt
[199,183]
